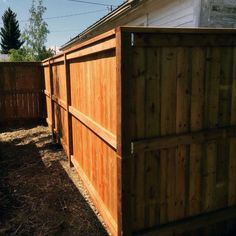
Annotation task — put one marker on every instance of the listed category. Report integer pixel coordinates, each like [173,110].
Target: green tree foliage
[10,33]
[35,35]
[22,54]
[19,55]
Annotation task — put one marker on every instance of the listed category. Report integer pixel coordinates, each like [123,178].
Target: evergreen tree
[10,32]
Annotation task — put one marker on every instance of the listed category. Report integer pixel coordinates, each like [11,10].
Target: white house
[164,13]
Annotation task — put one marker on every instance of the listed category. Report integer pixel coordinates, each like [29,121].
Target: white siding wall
[169,13]
[218,13]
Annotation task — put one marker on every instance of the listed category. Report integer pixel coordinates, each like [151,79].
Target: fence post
[68,116]
[42,97]
[51,94]
[124,157]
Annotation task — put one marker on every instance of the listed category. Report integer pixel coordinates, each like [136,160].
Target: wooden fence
[148,118]
[21,92]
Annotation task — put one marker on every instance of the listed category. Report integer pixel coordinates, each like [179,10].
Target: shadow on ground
[36,195]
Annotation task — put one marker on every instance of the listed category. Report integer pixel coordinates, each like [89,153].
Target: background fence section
[21,92]
[148,118]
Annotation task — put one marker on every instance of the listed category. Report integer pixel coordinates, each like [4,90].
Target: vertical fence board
[232,159]
[182,126]
[196,152]
[168,124]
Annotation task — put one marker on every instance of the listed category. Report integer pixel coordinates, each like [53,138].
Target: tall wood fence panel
[21,92]
[183,126]
[81,102]
[148,119]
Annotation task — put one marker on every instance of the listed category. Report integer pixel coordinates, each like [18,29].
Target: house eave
[117,13]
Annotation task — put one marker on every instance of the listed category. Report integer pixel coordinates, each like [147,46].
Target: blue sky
[61,28]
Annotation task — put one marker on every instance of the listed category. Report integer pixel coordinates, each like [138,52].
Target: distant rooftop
[4,57]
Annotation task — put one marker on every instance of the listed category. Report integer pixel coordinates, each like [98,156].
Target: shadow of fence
[36,195]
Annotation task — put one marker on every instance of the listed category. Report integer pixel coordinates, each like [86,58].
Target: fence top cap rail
[140,29]
[83,44]
[143,29]
[20,62]
[53,57]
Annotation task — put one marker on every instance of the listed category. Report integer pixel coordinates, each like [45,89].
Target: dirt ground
[37,197]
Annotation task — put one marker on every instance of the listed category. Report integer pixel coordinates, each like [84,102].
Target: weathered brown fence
[21,92]
[148,118]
